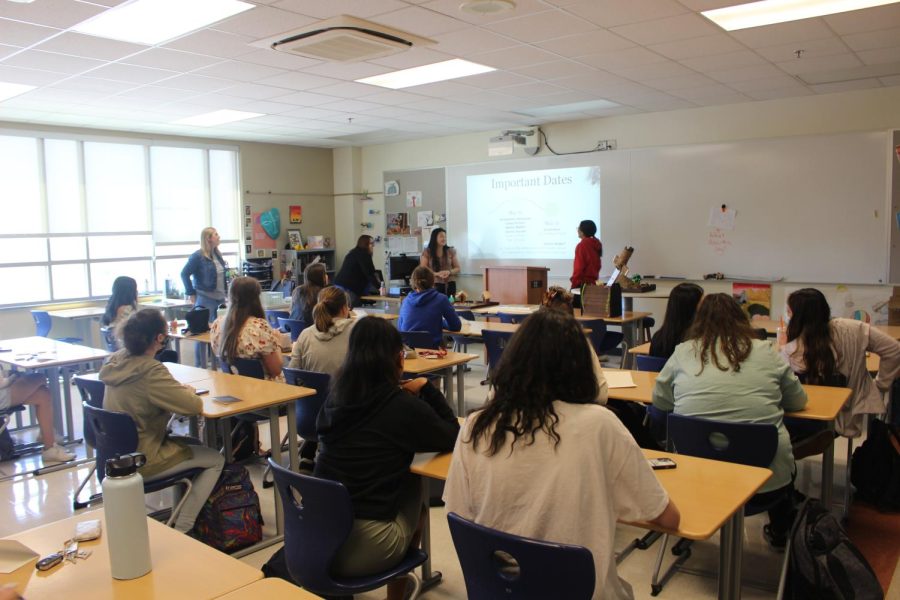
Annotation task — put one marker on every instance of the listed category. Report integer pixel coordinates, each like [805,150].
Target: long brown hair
[721,326]
[422,279]
[243,303]
[331,301]
[314,279]
[810,318]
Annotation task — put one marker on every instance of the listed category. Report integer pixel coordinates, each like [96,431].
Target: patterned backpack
[231,518]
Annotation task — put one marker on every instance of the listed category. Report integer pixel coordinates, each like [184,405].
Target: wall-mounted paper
[413,199]
[425,218]
[722,218]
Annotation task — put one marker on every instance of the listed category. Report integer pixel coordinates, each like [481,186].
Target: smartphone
[226,399]
[201,391]
[661,463]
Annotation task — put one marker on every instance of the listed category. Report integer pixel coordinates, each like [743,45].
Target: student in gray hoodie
[323,346]
[142,387]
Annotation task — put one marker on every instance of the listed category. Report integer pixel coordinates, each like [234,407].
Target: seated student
[19,388]
[426,309]
[369,429]
[304,297]
[139,385]
[819,347]
[542,459]
[122,302]
[323,346]
[244,332]
[680,311]
[723,373]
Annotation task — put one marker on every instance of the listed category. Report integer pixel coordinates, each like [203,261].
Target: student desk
[628,298]
[823,404]
[182,567]
[873,361]
[891,330]
[474,328]
[47,357]
[83,317]
[642,349]
[270,588]
[709,494]
[421,366]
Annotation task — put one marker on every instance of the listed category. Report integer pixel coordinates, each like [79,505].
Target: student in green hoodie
[141,386]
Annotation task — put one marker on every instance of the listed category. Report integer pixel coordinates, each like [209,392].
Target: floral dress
[257,338]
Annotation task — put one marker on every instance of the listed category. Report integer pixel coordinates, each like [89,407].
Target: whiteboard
[809,208]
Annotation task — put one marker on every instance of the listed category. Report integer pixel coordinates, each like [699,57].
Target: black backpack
[197,320]
[7,446]
[823,562]
[876,467]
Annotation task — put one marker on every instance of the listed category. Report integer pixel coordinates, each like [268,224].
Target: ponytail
[332,301]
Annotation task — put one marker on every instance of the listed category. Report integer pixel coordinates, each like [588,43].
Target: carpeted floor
[877,535]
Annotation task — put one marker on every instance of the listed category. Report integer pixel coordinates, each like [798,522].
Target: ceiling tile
[657,102]
[825,63]
[511,58]
[497,79]
[349,90]
[15,33]
[680,82]
[556,69]
[88,46]
[52,94]
[873,40]
[420,21]
[700,5]
[281,60]
[845,86]
[52,13]
[92,84]
[657,70]
[214,43]
[622,59]
[297,81]
[880,56]
[173,60]
[333,8]
[869,19]
[268,107]
[394,112]
[721,99]
[703,91]
[721,62]
[610,13]
[670,29]
[238,70]
[444,89]
[538,27]
[793,32]
[531,90]
[469,41]
[306,99]
[392,97]
[700,46]
[890,81]
[197,83]
[598,80]
[412,58]
[51,61]
[254,91]
[775,94]
[352,106]
[157,93]
[766,83]
[451,9]
[8,50]
[811,49]
[746,73]
[347,71]
[131,73]
[594,42]
[263,21]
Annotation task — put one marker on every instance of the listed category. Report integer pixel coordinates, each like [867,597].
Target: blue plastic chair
[545,569]
[115,434]
[295,326]
[316,527]
[418,339]
[92,392]
[461,342]
[287,288]
[43,323]
[273,315]
[109,338]
[248,367]
[514,318]
[308,408]
[604,340]
[645,362]
[494,343]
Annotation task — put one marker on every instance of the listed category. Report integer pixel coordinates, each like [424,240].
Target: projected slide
[530,214]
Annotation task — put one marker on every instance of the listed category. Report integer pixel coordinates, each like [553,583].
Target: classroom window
[81,212]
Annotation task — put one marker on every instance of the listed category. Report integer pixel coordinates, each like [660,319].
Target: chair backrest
[272,316]
[287,288]
[597,334]
[42,322]
[468,315]
[308,408]
[114,433]
[511,317]
[645,362]
[315,525]
[248,367]
[294,326]
[494,343]
[833,380]
[752,444]
[544,568]
[418,339]
[109,338]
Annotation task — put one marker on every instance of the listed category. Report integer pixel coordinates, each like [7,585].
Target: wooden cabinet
[516,285]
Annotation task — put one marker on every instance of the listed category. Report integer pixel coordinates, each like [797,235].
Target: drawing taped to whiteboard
[718,241]
[722,217]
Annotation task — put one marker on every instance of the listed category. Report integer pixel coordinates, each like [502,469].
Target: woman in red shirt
[587,256]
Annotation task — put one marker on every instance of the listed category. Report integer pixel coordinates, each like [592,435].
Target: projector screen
[529,214]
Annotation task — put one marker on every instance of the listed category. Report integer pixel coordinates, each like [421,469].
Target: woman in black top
[357,274]
[369,429]
[680,311]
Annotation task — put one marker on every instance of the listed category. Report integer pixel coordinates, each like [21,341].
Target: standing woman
[244,332]
[357,275]
[304,298]
[820,347]
[441,258]
[680,311]
[586,269]
[204,277]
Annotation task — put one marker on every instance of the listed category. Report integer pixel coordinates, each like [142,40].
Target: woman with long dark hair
[723,373]
[821,348]
[442,260]
[680,310]
[542,459]
[369,429]
[315,277]
[357,274]
[122,302]
[244,332]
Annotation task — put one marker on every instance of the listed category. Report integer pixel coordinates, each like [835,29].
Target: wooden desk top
[270,588]
[642,349]
[397,299]
[182,567]
[525,309]
[654,294]
[891,330]
[706,492]
[824,403]
[255,394]
[419,366]
[873,362]
[40,352]
[474,328]
[78,313]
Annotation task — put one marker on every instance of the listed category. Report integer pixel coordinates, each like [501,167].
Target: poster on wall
[295,214]
[755,299]
[413,199]
[398,223]
[261,240]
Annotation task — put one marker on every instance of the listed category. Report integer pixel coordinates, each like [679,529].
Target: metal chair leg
[176,510]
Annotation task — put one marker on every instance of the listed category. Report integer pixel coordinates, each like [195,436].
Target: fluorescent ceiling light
[217,117]
[442,71]
[10,90]
[154,21]
[768,12]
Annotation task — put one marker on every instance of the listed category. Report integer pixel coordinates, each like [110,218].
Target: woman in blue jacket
[426,309]
[205,277]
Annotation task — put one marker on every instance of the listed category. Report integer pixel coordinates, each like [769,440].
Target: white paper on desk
[471,327]
[14,554]
[619,379]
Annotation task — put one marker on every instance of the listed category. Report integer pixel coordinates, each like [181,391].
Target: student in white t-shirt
[544,460]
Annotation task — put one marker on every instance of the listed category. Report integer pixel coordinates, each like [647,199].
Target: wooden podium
[516,285]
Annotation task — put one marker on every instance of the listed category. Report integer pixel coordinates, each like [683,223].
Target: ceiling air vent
[345,39]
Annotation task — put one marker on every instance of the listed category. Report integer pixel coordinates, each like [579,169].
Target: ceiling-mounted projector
[505,143]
